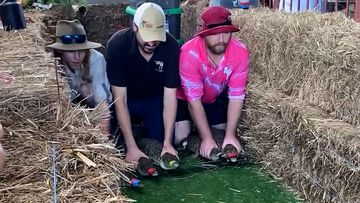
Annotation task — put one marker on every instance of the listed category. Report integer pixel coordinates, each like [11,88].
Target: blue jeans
[147,112]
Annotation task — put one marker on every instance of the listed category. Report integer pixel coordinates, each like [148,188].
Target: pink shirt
[200,80]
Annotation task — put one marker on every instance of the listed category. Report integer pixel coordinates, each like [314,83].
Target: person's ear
[135,28]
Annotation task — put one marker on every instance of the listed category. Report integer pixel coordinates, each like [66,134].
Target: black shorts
[216,113]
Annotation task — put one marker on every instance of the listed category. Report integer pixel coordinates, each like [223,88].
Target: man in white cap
[142,67]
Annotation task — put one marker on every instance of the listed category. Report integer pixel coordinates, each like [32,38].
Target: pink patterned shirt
[200,80]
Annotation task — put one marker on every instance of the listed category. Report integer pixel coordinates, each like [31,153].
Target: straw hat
[71,36]
[215,20]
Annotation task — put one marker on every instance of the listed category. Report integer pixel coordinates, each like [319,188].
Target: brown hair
[86,67]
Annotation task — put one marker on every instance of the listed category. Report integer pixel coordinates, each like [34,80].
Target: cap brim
[74,46]
[149,36]
[217,30]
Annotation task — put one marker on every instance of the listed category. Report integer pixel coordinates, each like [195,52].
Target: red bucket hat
[215,20]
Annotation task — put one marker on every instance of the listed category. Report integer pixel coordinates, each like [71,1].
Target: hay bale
[314,58]
[102,21]
[37,115]
[317,156]
[302,111]
[189,17]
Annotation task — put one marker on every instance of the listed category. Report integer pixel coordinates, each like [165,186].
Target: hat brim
[150,36]
[217,30]
[74,46]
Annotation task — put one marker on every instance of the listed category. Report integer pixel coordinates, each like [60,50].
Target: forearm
[105,117]
[198,115]
[233,115]
[169,114]
[123,116]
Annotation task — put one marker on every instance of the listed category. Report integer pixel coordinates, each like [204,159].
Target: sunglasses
[69,39]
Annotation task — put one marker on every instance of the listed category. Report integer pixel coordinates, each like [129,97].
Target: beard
[218,48]
[147,48]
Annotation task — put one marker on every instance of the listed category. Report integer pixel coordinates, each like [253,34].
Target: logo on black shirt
[160,67]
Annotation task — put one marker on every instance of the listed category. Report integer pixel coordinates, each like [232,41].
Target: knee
[182,130]
[221,126]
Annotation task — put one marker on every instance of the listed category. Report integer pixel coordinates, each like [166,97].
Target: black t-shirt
[126,67]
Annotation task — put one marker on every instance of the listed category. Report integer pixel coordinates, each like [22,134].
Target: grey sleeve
[100,82]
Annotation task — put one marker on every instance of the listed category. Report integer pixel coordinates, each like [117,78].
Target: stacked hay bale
[102,21]
[302,110]
[45,135]
[189,17]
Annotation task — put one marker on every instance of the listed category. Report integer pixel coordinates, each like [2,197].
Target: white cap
[150,20]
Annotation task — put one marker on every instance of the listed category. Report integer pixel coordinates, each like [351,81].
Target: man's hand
[169,159]
[231,139]
[206,146]
[105,126]
[133,155]
[169,148]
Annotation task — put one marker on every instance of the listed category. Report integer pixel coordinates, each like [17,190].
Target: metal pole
[57,82]
[298,6]
[357,11]
[54,175]
[336,5]
[326,6]
[307,4]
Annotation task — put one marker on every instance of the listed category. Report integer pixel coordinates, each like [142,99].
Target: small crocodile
[229,152]
[152,148]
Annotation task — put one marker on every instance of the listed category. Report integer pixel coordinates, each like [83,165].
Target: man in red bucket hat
[214,72]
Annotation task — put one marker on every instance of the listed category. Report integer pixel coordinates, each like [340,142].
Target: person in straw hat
[142,67]
[214,71]
[84,67]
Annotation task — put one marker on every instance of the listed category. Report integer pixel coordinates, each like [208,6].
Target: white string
[213,61]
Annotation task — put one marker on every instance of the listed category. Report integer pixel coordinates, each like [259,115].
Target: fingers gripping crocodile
[229,152]
[152,148]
